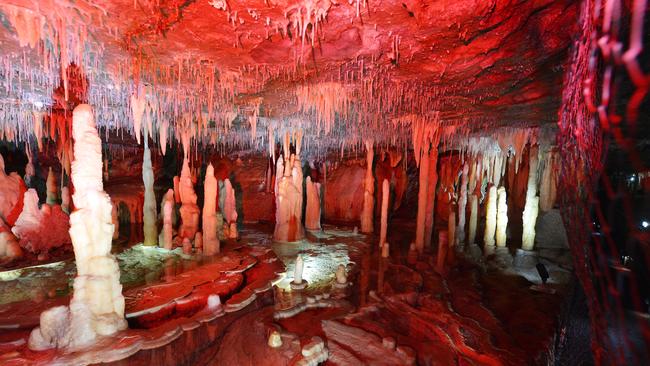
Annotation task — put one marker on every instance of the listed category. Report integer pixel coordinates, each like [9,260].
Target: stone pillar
[502,217]
[531,207]
[368,192]
[97,305]
[52,188]
[149,213]
[491,216]
[462,205]
[432,182]
[312,212]
[385,193]
[422,203]
[210,235]
[473,218]
[189,210]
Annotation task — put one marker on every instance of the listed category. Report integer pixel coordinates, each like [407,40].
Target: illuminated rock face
[210,235]
[97,305]
[312,211]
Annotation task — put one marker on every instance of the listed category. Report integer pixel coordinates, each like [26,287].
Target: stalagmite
[422,203]
[490,216]
[547,188]
[385,250]
[97,305]
[341,276]
[432,181]
[189,210]
[30,172]
[451,228]
[531,207]
[385,192]
[166,235]
[52,188]
[502,217]
[443,248]
[229,208]
[210,235]
[473,218]
[312,212]
[368,192]
[298,283]
[149,209]
[65,199]
[462,205]
[288,196]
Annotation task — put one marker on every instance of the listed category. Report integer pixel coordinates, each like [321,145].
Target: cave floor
[393,311]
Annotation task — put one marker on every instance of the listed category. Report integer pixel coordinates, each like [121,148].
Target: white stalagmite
[167,233]
[490,216]
[312,212]
[189,210]
[210,236]
[531,207]
[297,273]
[422,202]
[288,195]
[462,205]
[502,217]
[385,192]
[97,305]
[473,218]
[368,191]
[149,213]
[52,188]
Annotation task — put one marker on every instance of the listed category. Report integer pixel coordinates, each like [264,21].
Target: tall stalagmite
[368,191]
[288,195]
[189,210]
[502,217]
[312,211]
[97,305]
[385,193]
[490,216]
[210,235]
[422,202]
[531,207]
[432,181]
[149,213]
[462,205]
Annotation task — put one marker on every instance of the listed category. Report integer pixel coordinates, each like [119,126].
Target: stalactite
[502,217]
[368,192]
